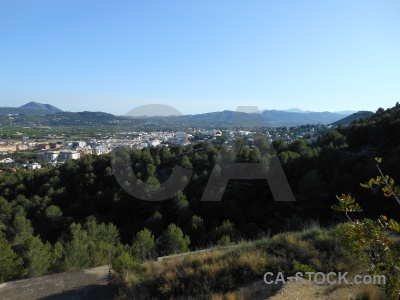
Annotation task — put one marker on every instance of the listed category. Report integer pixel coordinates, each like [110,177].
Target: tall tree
[36,256]
[173,241]
[143,246]
[9,262]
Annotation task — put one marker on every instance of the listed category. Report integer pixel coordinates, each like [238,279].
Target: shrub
[373,240]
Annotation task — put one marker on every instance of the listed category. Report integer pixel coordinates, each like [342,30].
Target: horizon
[172,111]
[200,57]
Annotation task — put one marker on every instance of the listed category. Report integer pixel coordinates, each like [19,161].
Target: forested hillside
[77,216]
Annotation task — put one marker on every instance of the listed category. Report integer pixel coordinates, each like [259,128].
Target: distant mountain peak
[296,110]
[32,108]
[37,105]
[346,112]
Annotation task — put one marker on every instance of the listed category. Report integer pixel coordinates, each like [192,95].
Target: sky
[200,56]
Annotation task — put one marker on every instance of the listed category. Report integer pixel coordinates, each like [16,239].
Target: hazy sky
[200,56]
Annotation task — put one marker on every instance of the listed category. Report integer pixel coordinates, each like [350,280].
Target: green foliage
[76,254]
[124,261]
[346,204]
[197,229]
[57,251]
[389,189]
[5,211]
[224,241]
[9,261]
[36,257]
[53,213]
[173,241]
[227,228]
[89,246]
[22,230]
[144,246]
[288,156]
[373,240]
[186,163]
[180,202]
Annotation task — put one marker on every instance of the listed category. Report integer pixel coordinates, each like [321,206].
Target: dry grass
[370,292]
[216,274]
[229,296]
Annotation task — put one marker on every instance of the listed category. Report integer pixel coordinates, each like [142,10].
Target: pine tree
[143,246]
[173,241]
[9,262]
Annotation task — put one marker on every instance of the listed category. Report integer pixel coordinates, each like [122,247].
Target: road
[84,284]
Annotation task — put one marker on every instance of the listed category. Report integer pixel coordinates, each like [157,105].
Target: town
[54,149]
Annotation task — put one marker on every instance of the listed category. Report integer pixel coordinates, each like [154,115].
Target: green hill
[353,117]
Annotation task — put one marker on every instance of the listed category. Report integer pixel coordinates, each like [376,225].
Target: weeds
[216,274]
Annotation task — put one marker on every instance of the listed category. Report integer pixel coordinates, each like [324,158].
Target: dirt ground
[304,291]
[85,284]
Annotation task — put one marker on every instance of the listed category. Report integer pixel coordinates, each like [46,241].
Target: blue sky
[200,56]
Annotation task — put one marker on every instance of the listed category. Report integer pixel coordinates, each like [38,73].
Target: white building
[34,166]
[217,133]
[78,144]
[65,155]
[51,156]
[6,160]
[154,143]
[66,144]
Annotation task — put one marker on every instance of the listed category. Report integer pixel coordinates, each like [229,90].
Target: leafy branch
[371,239]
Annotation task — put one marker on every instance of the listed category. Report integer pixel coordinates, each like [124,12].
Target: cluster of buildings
[31,165]
[15,145]
[58,153]
[55,153]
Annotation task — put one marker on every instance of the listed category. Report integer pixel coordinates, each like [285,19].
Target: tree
[53,213]
[124,261]
[9,262]
[150,170]
[173,241]
[197,229]
[22,230]
[227,228]
[76,254]
[5,211]
[103,240]
[36,256]
[180,202]
[186,163]
[146,157]
[288,156]
[155,223]
[372,240]
[57,251]
[165,154]
[143,246]
[224,241]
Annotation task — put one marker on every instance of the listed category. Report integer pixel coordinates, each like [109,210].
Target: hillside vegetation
[220,273]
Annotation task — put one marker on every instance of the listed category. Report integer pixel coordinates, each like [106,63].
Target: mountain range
[266,118]
[298,110]
[31,108]
[289,117]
